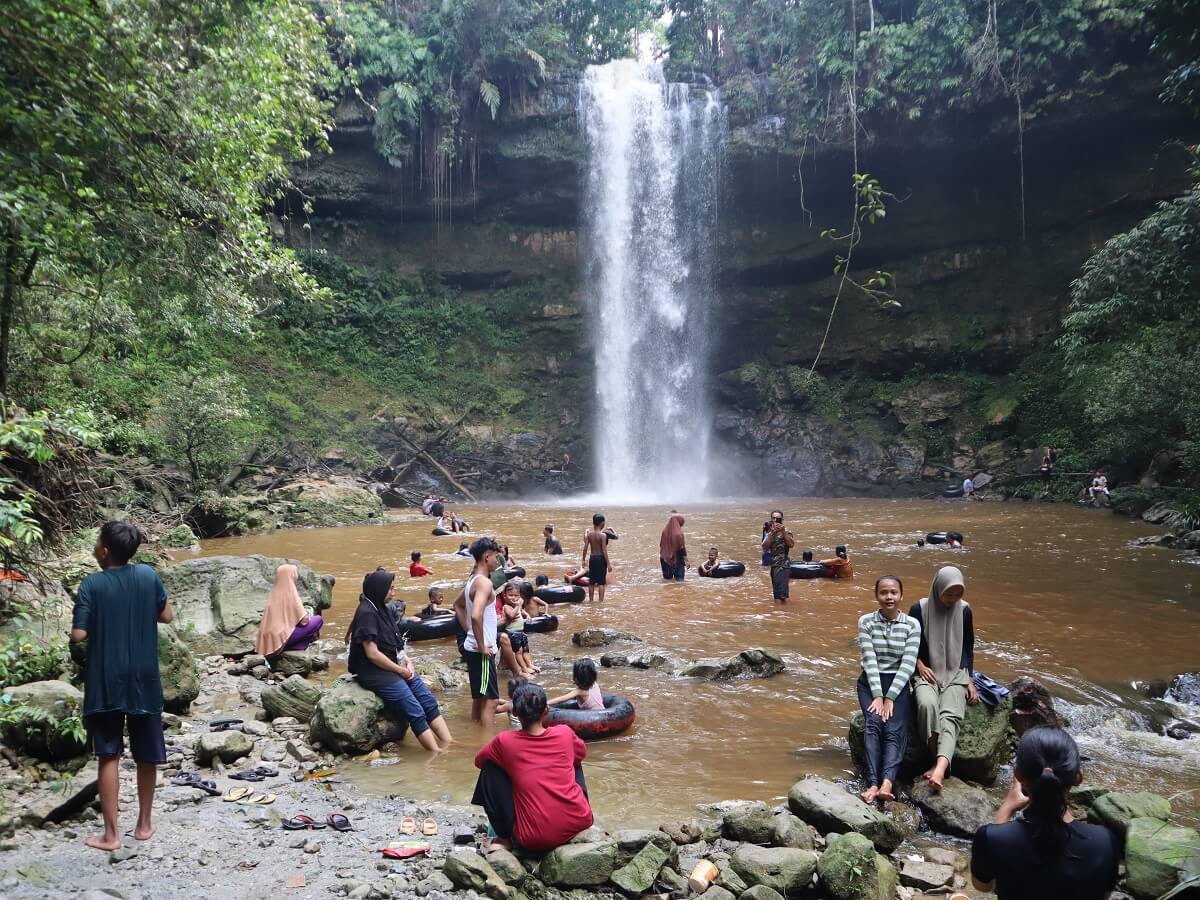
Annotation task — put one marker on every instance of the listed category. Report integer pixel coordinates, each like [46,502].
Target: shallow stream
[1058,592]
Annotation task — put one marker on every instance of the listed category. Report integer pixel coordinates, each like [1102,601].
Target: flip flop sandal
[302,822]
[209,787]
[408,825]
[265,771]
[338,822]
[404,852]
[263,800]
[223,724]
[248,775]
[236,794]
[429,828]
[187,779]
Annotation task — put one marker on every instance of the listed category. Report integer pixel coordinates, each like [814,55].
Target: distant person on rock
[1046,470]
[379,663]
[1043,853]
[427,504]
[889,642]
[531,783]
[553,545]
[595,557]
[415,569]
[117,611]
[286,624]
[778,541]
[1099,487]
[672,551]
[968,488]
[840,566]
[945,666]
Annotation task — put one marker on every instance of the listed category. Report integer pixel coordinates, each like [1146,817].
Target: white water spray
[650,216]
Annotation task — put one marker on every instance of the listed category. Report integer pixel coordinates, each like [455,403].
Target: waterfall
[649,271]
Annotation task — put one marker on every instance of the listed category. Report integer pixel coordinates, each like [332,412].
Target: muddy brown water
[1058,592]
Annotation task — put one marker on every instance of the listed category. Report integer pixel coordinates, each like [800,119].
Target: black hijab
[376,586]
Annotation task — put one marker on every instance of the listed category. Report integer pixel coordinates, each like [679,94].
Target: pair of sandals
[258,773]
[243,796]
[193,780]
[408,825]
[305,822]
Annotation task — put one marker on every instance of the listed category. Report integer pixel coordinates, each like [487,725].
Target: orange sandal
[408,825]
[429,828]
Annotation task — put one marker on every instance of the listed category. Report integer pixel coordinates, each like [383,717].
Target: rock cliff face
[904,395]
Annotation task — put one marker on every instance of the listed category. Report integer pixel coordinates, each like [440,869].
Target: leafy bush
[25,659]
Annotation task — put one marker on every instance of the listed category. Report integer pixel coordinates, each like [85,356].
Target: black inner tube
[560,593]
[807,570]
[617,715]
[728,569]
[441,532]
[541,624]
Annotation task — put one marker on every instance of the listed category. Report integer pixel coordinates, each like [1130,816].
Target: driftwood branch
[437,465]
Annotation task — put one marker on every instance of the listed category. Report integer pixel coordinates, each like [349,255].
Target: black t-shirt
[1087,869]
[373,624]
[553,545]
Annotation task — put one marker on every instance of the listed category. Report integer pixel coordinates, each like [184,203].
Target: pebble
[121,854]
[312,847]
[298,843]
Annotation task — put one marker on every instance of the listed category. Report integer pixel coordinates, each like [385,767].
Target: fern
[538,60]
[490,95]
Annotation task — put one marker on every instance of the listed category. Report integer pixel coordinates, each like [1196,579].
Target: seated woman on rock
[945,664]
[286,624]
[531,781]
[889,641]
[379,663]
[1044,854]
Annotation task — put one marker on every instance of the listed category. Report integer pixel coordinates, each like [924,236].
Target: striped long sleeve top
[889,647]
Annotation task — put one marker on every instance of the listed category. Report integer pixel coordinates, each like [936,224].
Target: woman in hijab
[286,624]
[379,663]
[671,550]
[945,665]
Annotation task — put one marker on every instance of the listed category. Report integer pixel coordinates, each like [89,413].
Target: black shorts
[519,641]
[597,569]
[482,672]
[106,736]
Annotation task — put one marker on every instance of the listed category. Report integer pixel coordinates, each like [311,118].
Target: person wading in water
[778,541]
[595,557]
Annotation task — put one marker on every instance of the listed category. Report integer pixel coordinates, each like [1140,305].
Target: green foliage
[200,418]
[24,720]
[26,658]
[140,141]
[1176,26]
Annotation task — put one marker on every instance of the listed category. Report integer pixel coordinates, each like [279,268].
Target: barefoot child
[117,611]
[889,641]
[587,688]
[512,621]
[595,557]
[530,605]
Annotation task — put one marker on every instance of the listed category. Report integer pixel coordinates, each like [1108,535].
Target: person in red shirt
[531,781]
[415,569]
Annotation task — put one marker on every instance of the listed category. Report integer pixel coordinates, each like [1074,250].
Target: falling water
[649,270]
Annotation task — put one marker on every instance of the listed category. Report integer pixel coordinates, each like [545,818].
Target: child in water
[435,603]
[530,605]
[415,569]
[505,706]
[511,620]
[587,688]
[706,567]
[462,550]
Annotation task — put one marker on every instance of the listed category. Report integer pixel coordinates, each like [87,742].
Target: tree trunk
[8,304]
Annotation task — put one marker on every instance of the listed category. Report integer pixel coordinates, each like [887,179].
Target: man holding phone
[778,541]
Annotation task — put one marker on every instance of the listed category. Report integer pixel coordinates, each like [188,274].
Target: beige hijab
[944,627]
[283,613]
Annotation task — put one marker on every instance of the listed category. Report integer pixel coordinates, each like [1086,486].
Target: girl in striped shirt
[889,641]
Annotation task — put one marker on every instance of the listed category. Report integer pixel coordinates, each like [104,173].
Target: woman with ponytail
[1044,854]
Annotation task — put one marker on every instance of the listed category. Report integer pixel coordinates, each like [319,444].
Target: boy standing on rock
[479,646]
[117,611]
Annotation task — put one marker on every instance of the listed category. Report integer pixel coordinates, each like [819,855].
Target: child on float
[513,622]
[435,603]
[706,567]
[530,605]
[587,686]
[889,642]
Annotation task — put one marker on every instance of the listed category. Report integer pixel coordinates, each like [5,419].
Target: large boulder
[43,731]
[828,806]
[958,808]
[752,822]
[755,662]
[578,865]
[301,504]
[351,719]
[985,743]
[782,869]
[639,874]
[1158,856]
[792,831]
[178,669]
[1117,810]
[228,746]
[469,871]
[219,600]
[600,637]
[850,869]
[294,697]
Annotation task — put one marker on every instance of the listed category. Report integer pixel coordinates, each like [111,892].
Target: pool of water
[1059,593]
